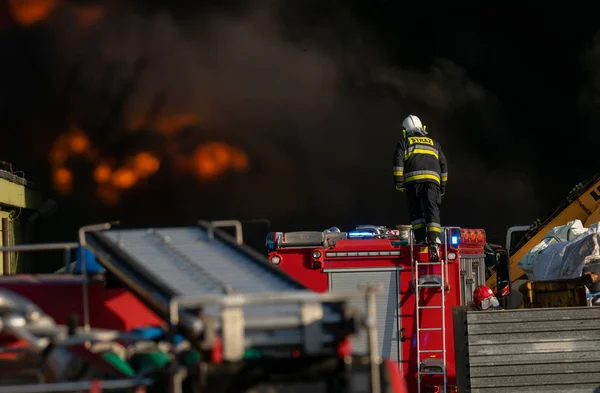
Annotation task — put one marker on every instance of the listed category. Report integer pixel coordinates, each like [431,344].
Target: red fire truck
[332,260]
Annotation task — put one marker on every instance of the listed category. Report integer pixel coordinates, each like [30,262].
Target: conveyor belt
[186,263]
[162,264]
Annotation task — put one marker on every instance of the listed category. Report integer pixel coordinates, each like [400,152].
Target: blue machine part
[91,264]
[149,332]
[155,333]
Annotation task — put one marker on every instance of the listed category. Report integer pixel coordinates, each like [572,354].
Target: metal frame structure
[78,386]
[233,325]
[65,246]
[29,324]
[320,322]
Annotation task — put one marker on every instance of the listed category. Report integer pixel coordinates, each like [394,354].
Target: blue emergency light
[454,235]
[360,235]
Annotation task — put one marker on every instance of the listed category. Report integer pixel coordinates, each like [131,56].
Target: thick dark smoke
[310,93]
[589,99]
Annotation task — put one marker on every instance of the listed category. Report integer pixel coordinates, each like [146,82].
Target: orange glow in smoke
[173,123]
[207,168]
[239,160]
[137,167]
[108,194]
[58,156]
[63,180]
[214,158]
[102,173]
[168,124]
[79,142]
[88,15]
[29,12]
[75,142]
[145,164]
[207,161]
[124,178]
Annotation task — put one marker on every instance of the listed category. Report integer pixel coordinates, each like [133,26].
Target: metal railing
[14,178]
[234,326]
[77,386]
[82,241]
[232,329]
[212,225]
[66,247]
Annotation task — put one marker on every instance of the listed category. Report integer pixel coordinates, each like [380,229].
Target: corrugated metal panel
[188,263]
[466,290]
[534,350]
[479,271]
[185,262]
[386,308]
[472,272]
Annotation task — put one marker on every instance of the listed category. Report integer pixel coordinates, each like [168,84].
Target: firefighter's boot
[433,253]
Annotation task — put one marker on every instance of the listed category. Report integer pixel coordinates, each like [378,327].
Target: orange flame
[214,158]
[124,178]
[102,173]
[63,180]
[79,142]
[29,12]
[137,167]
[207,161]
[75,142]
[145,164]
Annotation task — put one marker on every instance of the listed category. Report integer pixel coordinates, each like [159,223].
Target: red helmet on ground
[484,297]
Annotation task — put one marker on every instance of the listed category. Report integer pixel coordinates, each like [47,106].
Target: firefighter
[484,299]
[420,169]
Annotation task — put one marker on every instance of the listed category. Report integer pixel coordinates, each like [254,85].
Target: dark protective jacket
[419,159]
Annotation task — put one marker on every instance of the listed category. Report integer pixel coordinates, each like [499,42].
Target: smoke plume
[246,113]
[589,100]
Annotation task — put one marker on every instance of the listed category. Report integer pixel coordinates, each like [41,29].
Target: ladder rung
[430,329]
[432,350]
[428,263]
[431,372]
[430,281]
[432,366]
[430,307]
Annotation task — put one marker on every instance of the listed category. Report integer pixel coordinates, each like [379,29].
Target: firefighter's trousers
[424,201]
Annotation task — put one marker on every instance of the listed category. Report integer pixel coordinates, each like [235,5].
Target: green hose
[118,363]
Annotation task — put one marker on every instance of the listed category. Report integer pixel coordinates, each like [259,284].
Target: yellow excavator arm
[583,203]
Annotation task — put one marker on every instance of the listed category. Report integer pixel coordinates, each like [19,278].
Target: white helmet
[412,124]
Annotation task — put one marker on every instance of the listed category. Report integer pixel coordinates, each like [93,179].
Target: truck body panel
[345,263]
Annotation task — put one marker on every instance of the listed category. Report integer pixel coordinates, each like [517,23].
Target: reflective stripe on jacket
[419,159]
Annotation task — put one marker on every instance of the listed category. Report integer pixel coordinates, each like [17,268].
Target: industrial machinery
[552,344]
[415,307]
[582,203]
[249,325]
[36,350]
